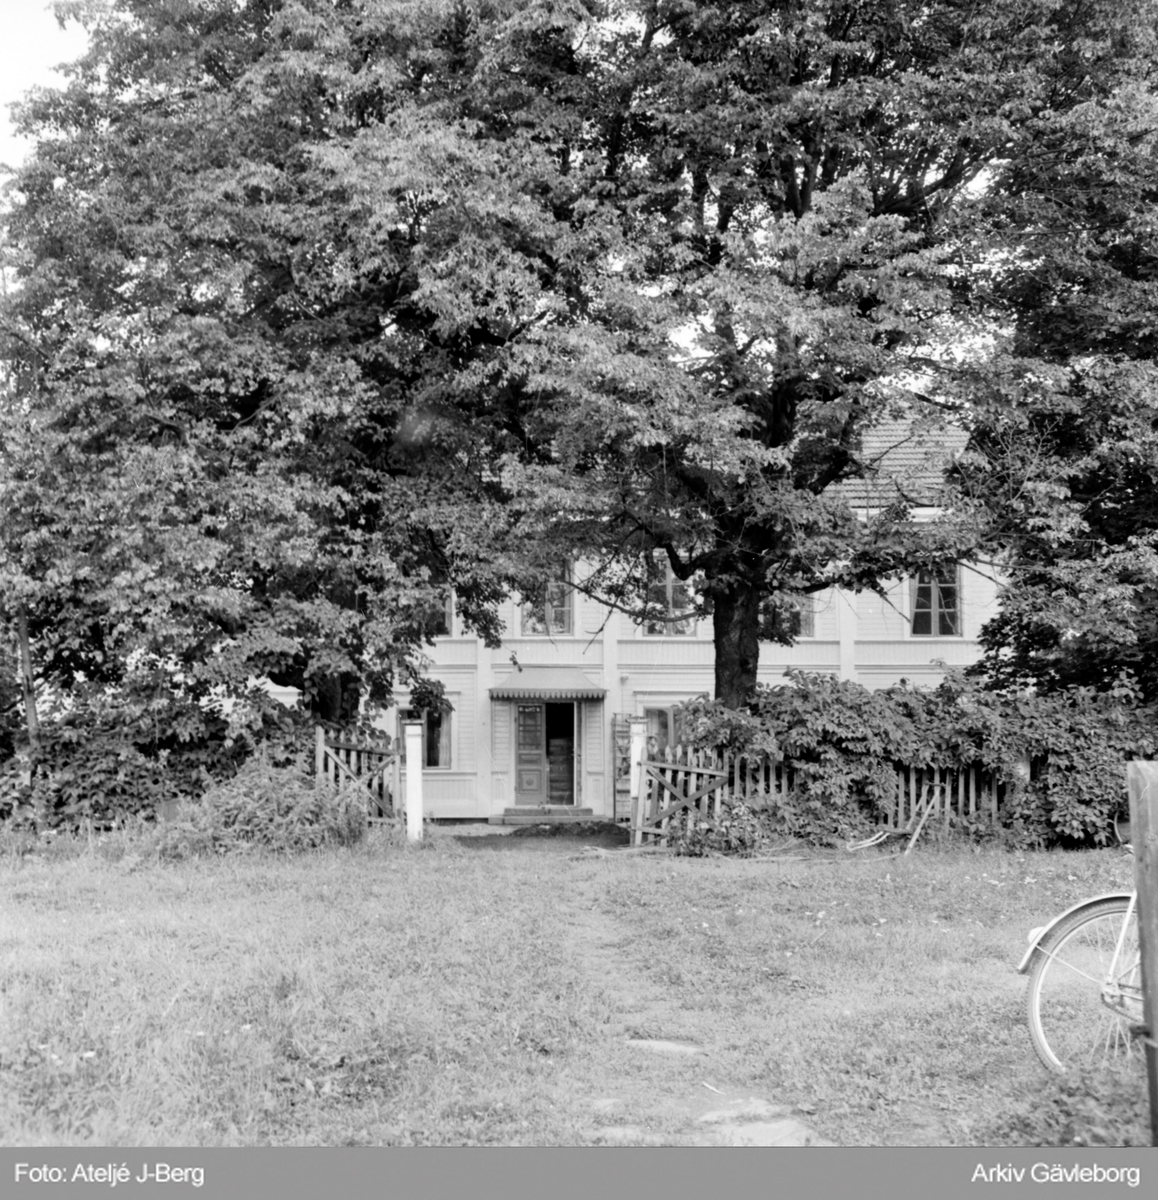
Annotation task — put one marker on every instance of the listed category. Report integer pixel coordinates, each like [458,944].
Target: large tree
[214,467]
[1064,452]
[393,297]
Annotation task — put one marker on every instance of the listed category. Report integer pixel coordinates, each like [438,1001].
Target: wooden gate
[685,779]
[368,764]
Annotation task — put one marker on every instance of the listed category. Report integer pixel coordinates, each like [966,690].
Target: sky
[31,45]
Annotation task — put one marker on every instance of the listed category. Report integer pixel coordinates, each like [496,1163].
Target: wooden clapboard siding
[451,794]
[884,617]
[593,737]
[460,691]
[501,734]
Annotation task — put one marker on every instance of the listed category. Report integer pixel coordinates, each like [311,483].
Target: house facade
[550,735]
[539,726]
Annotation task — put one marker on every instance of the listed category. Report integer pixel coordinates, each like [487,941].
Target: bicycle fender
[1037,936]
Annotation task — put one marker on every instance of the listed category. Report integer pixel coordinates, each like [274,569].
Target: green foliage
[738,830]
[262,806]
[1090,1108]
[843,744]
[323,309]
[108,755]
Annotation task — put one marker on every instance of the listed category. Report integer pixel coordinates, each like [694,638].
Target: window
[936,600]
[670,602]
[443,621]
[663,730]
[552,614]
[785,618]
[435,736]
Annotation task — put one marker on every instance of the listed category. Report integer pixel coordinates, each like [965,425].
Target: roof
[904,459]
[547,683]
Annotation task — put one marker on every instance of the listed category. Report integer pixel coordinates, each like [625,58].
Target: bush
[276,808]
[737,829]
[844,744]
[111,755]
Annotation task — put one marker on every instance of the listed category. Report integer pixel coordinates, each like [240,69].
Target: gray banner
[585,1174]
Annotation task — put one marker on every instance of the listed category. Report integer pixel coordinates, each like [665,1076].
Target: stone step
[547,814]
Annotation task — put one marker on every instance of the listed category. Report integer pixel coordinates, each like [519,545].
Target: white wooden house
[548,738]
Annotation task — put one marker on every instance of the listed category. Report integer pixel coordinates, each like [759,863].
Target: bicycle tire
[1070,1024]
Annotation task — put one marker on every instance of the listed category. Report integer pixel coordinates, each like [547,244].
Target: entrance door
[545,754]
[531,755]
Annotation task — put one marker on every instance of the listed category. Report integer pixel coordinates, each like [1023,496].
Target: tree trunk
[28,686]
[336,699]
[736,635]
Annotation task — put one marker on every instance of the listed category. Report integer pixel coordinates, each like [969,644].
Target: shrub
[108,755]
[737,829]
[844,744]
[276,808]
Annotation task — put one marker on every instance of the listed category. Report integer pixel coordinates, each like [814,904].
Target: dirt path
[664,1088]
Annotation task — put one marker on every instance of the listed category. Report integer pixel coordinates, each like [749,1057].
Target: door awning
[547,683]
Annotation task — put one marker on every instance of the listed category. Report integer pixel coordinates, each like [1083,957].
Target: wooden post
[319,758]
[412,732]
[638,727]
[396,781]
[1142,780]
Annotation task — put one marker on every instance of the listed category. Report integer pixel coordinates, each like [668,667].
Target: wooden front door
[531,754]
[545,754]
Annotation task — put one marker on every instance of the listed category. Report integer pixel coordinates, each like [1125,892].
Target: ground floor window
[663,730]
[435,736]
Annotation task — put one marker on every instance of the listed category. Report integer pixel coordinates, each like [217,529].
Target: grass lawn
[466,992]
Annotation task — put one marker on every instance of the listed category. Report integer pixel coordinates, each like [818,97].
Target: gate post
[638,726]
[1142,779]
[412,732]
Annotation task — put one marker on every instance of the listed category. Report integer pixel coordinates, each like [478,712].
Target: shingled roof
[904,459]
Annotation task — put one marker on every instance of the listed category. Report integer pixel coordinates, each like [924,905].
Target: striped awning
[547,683]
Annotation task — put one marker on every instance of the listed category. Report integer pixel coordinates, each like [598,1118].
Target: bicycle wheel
[1082,1002]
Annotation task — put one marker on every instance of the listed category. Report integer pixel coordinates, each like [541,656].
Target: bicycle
[1084,996]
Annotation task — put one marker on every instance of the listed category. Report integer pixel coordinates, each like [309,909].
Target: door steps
[542,814]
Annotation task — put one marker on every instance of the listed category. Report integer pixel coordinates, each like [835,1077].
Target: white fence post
[638,727]
[412,732]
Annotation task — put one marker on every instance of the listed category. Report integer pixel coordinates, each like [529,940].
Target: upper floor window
[785,618]
[442,624]
[937,604]
[552,613]
[670,602]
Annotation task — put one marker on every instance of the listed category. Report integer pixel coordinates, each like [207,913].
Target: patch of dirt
[620,834]
[567,837]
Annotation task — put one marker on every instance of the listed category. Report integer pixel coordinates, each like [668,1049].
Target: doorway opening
[560,753]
